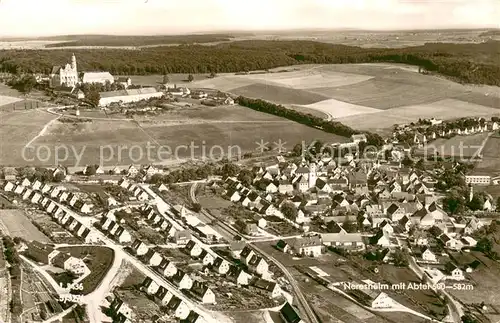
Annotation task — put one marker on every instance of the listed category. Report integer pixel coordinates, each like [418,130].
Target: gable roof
[289,314]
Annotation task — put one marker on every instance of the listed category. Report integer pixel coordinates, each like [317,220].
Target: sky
[140,17]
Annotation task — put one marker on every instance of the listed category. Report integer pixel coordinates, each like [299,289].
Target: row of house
[109,226]
[137,190]
[122,313]
[36,190]
[60,215]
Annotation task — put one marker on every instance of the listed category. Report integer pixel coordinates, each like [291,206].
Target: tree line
[468,63]
[307,119]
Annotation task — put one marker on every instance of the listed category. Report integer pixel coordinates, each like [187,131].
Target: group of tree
[92,92]
[307,119]
[223,168]
[289,210]
[40,173]
[468,63]
[24,83]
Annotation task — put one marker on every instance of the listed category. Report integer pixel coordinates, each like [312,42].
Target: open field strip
[444,109]
[18,225]
[17,128]
[491,153]
[339,109]
[4,100]
[458,146]
[311,78]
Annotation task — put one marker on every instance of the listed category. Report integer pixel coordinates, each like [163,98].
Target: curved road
[302,301]
[454,306]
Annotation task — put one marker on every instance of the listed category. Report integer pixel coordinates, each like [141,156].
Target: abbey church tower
[64,75]
[73,63]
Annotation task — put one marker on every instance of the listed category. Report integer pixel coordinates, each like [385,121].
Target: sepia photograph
[265,161]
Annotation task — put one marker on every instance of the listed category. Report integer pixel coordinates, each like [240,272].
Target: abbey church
[67,76]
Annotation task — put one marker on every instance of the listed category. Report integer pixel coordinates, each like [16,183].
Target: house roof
[55,69]
[306,242]
[289,314]
[341,237]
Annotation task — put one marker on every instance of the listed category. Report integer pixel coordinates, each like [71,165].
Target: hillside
[467,63]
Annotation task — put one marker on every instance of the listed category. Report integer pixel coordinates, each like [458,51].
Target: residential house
[258,265]
[193,249]
[236,248]
[246,254]
[203,292]
[166,268]
[239,276]
[307,246]
[206,258]
[346,241]
[182,280]
[283,246]
[428,255]
[179,308]
[221,266]
[153,258]
[453,272]
[271,288]
[150,286]
[182,237]
[139,247]
[8,187]
[163,295]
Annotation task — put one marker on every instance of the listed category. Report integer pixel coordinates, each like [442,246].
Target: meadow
[465,147]
[17,128]
[215,131]
[491,155]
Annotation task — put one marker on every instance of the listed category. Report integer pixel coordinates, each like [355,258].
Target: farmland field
[446,109]
[491,153]
[16,130]
[279,94]
[17,224]
[360,90]
[465,147]
[210,127]
[338,109]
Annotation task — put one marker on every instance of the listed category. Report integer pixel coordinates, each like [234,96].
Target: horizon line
[254,32]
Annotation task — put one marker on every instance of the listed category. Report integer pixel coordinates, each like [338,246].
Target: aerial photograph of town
[266,161]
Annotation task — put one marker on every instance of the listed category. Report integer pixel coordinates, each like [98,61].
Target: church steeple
[73,62]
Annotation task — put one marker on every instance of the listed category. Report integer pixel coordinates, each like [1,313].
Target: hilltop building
[66,76]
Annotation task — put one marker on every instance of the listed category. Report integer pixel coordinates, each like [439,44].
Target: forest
[114,40]
[466,63]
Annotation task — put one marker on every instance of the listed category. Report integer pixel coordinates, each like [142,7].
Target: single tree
[289,211]
[93,97]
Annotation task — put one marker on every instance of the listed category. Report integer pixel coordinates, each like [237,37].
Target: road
[455,307]
[121,255]
[303,305]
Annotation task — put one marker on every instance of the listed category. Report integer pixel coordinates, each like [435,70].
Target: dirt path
[42,132]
